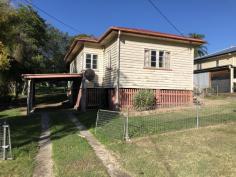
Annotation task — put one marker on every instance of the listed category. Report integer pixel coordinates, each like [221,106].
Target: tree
[55,49]
[200,50]
[4,58]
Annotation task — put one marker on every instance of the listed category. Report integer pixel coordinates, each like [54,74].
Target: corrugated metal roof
[222,52]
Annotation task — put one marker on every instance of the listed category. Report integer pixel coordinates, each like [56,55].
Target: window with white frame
[91,61]
[157,59]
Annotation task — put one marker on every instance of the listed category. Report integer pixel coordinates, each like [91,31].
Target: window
[91,61]
[217,63]
[199,66]
[157,59]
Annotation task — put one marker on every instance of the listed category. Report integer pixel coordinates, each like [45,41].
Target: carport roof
[56,76]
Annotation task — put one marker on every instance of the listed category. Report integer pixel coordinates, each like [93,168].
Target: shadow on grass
[59,125]
[88,119]
[50,98]
[40,99]
[24,130]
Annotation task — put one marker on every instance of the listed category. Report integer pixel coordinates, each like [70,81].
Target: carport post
[33,93]
[28,96]
[83,95]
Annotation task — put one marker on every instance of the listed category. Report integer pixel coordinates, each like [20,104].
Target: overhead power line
[53,17]
[165,17]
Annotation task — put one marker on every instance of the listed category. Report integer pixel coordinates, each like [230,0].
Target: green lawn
[168,144]
[72,155]
[208,151]
[24,135]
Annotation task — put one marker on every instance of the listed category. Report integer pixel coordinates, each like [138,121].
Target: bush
[144,100]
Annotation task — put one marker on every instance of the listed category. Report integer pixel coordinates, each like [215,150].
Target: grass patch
[72,155]
[157,149]
[24,136]
[209,151]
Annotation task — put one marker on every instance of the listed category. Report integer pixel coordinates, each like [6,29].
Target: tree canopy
[28,44]
[201,50]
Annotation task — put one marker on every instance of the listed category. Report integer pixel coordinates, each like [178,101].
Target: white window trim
[157,59]
[92,54]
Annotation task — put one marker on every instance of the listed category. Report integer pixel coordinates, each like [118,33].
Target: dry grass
[209,151]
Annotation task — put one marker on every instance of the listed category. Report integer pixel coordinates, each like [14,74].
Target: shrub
[144,100]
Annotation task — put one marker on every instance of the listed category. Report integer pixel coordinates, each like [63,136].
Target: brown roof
[138,32]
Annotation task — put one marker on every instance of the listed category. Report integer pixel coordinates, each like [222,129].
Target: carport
[31,79]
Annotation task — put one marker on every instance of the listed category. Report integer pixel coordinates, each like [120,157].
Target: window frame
[148,56]
[92,61]
[199,66]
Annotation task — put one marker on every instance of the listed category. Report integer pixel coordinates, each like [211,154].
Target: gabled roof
[142,32]
[219,53]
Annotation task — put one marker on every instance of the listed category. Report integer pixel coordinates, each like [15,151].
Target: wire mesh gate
[112,125]
[5,142]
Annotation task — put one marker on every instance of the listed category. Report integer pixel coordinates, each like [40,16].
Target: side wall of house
[90,49]
[110,64]
[78,65]
[133,74]
[212,62]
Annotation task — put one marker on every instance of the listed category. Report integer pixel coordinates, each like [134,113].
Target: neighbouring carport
[34,78]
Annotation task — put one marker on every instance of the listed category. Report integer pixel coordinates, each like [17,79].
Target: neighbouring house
[216,71]
[127,60]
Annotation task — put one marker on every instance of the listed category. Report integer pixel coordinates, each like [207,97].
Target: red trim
[134,31]
[151,33]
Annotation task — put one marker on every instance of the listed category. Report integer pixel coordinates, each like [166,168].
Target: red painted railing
[164,98]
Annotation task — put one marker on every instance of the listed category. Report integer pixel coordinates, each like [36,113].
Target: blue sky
[214,18]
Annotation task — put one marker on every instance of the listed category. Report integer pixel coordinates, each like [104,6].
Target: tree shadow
[24,130]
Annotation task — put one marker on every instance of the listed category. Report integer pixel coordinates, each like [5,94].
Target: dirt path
[108,160]
[44,163]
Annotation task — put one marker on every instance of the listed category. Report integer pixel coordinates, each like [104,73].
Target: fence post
[96,122]
[127,126]
[197,112]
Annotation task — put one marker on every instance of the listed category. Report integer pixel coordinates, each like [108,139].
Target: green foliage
[144,100]
[200,50]
[4,62]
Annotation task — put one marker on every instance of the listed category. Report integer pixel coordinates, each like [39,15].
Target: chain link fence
[111,125]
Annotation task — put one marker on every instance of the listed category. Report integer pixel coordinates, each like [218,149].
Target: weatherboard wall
[134,75]
[216,61]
